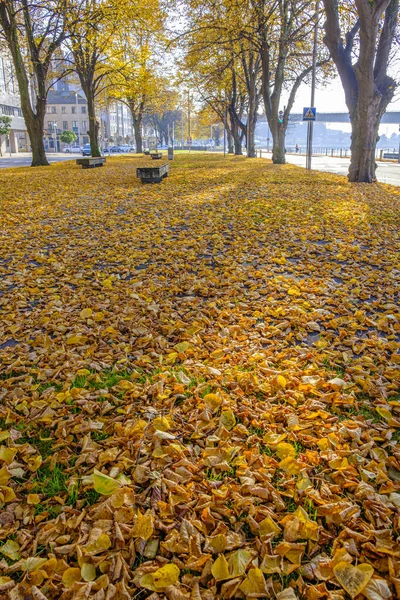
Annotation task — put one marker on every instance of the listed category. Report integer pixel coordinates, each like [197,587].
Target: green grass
[291,505]
[72,497]
[310,509]
[38,439]
[212,476]
[396,435]
[256,431]
[99,436]
[369,413]
[44,386]
[298,446]
[265,449]
[91,497]
[50,482]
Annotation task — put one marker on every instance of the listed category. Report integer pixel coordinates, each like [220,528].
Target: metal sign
[309,114]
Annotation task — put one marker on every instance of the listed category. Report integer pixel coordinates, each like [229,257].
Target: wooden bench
[90,162]
[146,152]
[152,174]
[156,155]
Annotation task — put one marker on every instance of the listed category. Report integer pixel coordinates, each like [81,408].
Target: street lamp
[55,136]
[78,117]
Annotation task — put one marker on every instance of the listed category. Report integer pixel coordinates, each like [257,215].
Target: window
[74,125]
[65,125]
[73,110]
[63,110]
[83,110]
[84,125]
[48,109]
[54,110]
[52,125]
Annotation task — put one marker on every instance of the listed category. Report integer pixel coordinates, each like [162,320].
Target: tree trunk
[93,123]
[35,125]
[278,144]
[365,125]
[230,142]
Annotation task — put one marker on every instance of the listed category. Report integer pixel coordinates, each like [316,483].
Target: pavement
[387,172]
[25,159]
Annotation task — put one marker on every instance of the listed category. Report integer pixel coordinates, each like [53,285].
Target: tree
[68,136]
[284,32]
[91,25]
[5,127]
[360,44]
[33,31]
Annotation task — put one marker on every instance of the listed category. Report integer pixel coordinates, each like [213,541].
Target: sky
[330,98]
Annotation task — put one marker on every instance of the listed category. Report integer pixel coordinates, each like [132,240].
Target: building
[65,110]
[10,105]
[117,124]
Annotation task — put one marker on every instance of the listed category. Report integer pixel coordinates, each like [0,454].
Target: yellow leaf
[182,347]
[161,579]
[83,372]
[7,454]
[144,526]
[281,381]
[4,476]
[238,562]
[353,579]
[220,568]
[76,340]
[107,283]
[283,450]
[10,549]
[218,543]
[33,499]
[227,420]
[7,494]
[103,484]
[290,465]
[86,313]
[217,354]
[33,563]
[70,576]
[254,584]
[274,438]
[88,572]
[161,424]
[384,412]
[212,401]
[293,291]
[268,526]
[99,316]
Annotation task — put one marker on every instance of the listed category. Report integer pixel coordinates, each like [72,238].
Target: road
[387,172]
[24,160]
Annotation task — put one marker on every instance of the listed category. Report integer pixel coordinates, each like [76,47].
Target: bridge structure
[391,117]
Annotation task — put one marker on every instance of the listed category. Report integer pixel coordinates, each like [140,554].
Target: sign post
[313,85]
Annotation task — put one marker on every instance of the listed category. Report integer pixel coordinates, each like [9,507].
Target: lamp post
[313,85]
[55,136]
[78,117]
[398,159]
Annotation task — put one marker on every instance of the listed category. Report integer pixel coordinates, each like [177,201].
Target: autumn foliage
[199,383]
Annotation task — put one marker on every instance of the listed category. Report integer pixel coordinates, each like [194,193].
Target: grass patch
[99,436]
[50,482]
[91,497]
[39,438]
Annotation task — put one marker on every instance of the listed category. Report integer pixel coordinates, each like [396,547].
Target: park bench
[91,162]
[146,152]
[152,174]
[156,155]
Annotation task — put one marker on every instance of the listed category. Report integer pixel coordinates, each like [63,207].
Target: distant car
[114,149]
[105,150]
[71,149]
[124,148]
[86,150]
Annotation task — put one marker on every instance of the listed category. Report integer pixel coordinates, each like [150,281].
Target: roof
[64,97]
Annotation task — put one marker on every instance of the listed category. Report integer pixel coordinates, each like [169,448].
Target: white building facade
[10,105]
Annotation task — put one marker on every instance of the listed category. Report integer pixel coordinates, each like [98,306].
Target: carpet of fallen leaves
[199,383]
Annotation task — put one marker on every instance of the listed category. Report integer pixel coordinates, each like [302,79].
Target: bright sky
[330,98]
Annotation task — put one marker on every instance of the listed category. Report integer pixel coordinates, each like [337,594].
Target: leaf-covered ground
[199,391]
